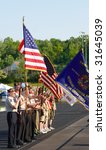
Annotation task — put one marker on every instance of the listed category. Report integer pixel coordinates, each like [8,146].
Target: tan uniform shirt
[10,103]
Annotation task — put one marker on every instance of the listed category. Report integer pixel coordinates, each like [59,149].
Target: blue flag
[75,79]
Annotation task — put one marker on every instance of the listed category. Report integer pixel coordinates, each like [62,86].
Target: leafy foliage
[2,75]
[59,52]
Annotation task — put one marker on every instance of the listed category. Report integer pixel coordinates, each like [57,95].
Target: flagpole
[25,78]
[25,69]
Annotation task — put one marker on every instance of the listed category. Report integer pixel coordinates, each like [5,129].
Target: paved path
[73,137]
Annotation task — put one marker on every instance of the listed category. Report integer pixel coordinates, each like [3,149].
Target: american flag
[33,58]
[48,79]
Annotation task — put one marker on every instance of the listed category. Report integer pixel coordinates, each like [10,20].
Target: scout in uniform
[11,106]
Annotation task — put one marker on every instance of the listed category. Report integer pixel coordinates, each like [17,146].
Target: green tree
[59,52]
[2,75]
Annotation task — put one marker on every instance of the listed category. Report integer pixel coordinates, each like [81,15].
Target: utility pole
[82,36]
[84,46]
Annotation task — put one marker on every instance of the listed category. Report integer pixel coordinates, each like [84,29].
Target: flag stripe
[32,52]
[33,60]
[21,47]
[34,64]
[34,57]
[35,68]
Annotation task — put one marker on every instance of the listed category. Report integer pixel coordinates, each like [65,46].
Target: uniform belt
[29,111]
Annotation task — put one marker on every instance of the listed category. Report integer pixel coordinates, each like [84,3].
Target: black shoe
[9,146]
[20,142]
[16,146]
[28,140]
[34,138]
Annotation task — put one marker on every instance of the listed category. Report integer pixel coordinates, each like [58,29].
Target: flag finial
[23,19]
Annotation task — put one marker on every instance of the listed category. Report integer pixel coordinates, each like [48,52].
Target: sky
[45,19]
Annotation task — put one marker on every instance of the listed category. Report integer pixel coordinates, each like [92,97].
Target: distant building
[13,67]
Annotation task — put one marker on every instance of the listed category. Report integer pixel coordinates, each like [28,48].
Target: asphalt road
[65,115]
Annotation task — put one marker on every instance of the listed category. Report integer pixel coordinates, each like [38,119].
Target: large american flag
[48,79]
[33,58]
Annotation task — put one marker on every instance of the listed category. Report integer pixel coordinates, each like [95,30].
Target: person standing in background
[22,115]
[52,111]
